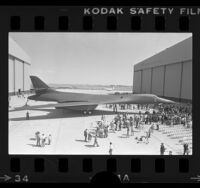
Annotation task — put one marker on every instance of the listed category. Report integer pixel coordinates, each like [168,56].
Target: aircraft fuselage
[63,97]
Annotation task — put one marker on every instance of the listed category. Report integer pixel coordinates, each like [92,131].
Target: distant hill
[92,87]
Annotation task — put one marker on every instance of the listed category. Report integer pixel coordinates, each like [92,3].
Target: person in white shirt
[49,138]
[43,138]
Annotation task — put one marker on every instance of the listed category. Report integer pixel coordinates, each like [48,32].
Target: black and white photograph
[84,93]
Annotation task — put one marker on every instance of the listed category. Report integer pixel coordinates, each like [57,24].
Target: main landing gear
[87,112]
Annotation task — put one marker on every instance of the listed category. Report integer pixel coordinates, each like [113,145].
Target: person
[149,133]
[112,126]
[170,152]
[19,93]
[49,139]
[132,131]
[120,125]
[116,125]
[136,120]
[152,128]
[150,118]
[27,115]
[147,137]
[162,149]
[97,131]
[37,136]
[186,149]
[128,131]
[106,131]
[162,119]
[146,118]
[111,148]
[183,120]
[43,139]
[85,134]
[157,127]
[89,136]
[95,142]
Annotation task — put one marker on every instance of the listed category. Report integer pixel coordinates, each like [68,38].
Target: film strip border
[88,169]
[75,19]
[89,23]
[85,168]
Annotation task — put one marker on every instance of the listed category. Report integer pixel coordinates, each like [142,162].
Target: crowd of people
[88,136]
[176,114]
[148,119]
[169,114]
[42,139]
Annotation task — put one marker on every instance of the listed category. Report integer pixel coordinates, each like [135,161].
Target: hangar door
[137,82]
[173,80]
[11,80]
[146,81]
[18,75]
[158,80]
[27,82]
[186,92]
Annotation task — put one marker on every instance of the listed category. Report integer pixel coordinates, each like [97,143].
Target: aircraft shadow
[60,113]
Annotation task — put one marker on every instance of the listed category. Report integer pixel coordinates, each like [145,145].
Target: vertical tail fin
[38,84]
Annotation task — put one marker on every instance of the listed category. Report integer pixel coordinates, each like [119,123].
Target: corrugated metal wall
[137,82]
[11,75]
[146,80]
[27,82]
[170,81]
[187,81]
[18,68]
[18,75]
[158,80]
[167,74]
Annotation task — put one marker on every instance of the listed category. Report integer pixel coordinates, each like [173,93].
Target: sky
[91,58]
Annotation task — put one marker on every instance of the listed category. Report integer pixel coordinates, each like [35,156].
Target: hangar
[18,69]
[167,74]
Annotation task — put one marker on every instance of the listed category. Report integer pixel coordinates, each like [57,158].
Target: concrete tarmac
[67,127]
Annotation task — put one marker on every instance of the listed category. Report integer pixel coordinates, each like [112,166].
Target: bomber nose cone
[162,100]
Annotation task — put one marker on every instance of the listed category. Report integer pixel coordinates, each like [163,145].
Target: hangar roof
[181,51]
[16,51]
